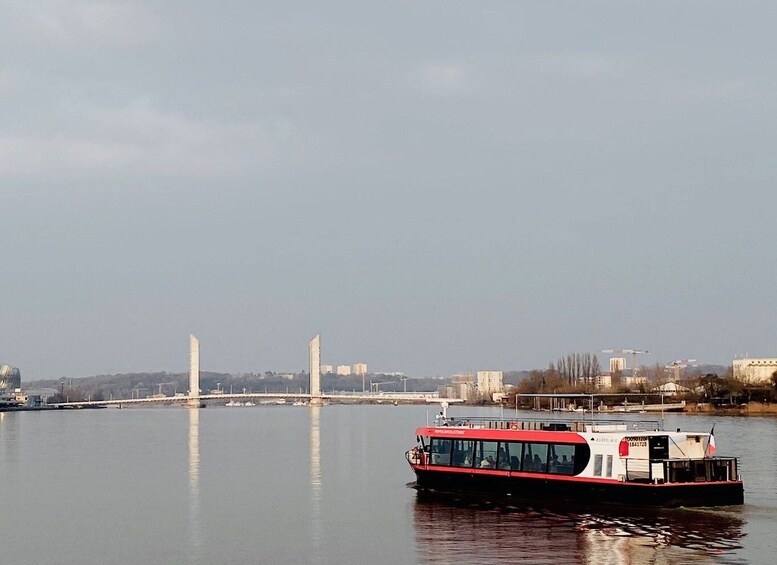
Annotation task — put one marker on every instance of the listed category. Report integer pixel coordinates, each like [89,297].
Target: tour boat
[620,462]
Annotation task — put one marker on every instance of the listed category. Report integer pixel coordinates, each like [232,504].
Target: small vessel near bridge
[610,462]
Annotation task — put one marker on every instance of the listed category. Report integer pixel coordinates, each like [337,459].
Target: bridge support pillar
[194,372]
[315,370]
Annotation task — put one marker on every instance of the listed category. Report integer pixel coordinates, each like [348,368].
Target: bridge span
[195,399]
[345,398]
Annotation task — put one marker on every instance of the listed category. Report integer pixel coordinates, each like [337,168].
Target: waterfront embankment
[747,409]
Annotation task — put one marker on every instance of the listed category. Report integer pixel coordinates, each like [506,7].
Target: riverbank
[748,409]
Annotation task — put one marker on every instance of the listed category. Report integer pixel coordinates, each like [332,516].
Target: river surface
[285,484]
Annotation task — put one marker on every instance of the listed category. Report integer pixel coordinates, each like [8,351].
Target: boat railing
[596,425]
[681,470]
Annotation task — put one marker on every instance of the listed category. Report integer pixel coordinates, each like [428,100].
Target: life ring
[513,425]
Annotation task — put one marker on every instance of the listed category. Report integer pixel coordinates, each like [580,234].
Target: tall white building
[617,364]
[360,369]
[489,382]
[343,370]
[754,371]
[327,369]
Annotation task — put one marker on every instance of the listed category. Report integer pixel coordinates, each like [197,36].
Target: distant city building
[462,378]
[343,370]
[360,368]
[634,381]
[488,383]
[10,378]
[602,381]
[754,371]
[463,386]
[10,386]
[466,391]
[39,396]
[617,364]
[327,369]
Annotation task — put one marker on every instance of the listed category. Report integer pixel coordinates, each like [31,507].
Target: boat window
[581,458]
[485,454]
[562,459]
[597,465]
[463,453]
[535,457]
[440,451]
[509,456]
[609,466]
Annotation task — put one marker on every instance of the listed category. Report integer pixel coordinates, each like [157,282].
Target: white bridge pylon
[194,372]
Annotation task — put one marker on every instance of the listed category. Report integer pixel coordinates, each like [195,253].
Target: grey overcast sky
[433,186]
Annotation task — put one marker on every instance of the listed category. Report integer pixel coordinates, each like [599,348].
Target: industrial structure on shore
[11,386]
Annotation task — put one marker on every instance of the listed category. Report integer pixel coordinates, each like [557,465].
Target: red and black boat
[621,462]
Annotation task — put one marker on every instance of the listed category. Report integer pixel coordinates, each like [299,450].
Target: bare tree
[578,368]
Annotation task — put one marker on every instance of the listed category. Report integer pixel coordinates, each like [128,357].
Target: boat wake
[456,527]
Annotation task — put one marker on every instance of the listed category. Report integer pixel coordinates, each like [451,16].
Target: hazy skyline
[433,186]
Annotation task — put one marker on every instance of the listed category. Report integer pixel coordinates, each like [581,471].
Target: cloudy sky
[433,186]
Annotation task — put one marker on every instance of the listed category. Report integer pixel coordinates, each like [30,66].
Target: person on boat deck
[503,460]
[487,463]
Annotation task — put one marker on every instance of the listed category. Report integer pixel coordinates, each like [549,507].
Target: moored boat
[621,462]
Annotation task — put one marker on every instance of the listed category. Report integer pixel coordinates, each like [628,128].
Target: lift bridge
[315,397]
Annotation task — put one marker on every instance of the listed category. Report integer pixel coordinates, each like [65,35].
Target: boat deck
[554,424]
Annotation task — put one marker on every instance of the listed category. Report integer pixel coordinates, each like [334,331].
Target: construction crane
[160,394]
[679,364]
[633,352]
[376,385]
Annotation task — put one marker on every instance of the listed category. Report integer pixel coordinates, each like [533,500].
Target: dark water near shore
[287,484]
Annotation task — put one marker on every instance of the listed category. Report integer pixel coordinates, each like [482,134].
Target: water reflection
[447,533]
[315,480]
[9,441]
[195,524]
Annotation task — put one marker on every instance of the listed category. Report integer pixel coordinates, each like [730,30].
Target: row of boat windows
[531,457]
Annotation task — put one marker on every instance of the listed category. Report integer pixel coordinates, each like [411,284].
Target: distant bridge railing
[368,397]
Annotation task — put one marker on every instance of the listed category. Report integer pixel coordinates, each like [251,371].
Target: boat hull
[511,489]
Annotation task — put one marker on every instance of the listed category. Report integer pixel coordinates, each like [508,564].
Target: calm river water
[287,484]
